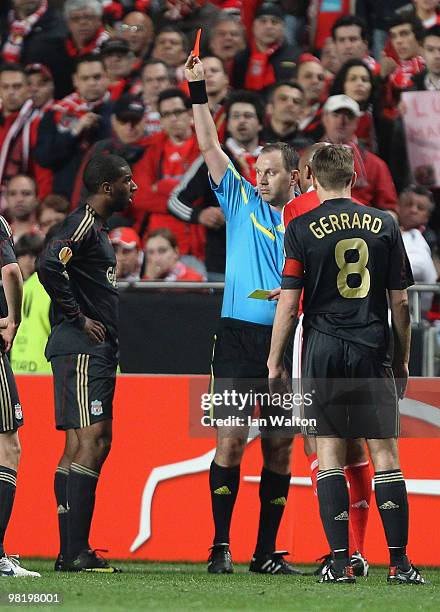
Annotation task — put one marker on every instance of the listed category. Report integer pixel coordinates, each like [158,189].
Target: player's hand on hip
[401,375]
[94,329]
[194,69]
[8,331]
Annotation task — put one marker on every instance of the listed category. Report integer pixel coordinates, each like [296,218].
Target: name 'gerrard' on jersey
[78,270]
[346,257]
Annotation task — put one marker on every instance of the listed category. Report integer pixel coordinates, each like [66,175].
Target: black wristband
[197,90]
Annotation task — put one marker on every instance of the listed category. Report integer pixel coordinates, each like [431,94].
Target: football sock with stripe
[392,503]
[8,483]
[81,487]
[223,484]
[60,488]
[334,510]
[359,478]
[274,489]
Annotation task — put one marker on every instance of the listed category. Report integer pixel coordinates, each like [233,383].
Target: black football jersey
[78,270]
[346,256]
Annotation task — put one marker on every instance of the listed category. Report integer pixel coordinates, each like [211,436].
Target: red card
[196,50]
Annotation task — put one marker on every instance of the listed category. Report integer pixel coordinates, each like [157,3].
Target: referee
[254,257]
[78,270]
[350,259]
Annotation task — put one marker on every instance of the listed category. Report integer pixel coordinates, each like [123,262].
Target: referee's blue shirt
[254,248]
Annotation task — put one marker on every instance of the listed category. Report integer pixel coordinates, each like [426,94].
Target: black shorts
[11,413]
[239,364]
[354,394]
[84,389]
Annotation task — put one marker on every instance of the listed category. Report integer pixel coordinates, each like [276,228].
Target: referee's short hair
[288,153]
[333,166]
[103,169]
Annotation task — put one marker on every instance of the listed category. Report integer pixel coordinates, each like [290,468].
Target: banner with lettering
[421,120]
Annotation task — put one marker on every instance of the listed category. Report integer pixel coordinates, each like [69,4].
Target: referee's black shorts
[84,389]
[11,413]
[354,394]
[239,363]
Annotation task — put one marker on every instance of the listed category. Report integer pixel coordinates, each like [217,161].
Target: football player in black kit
[349,259]
[11,414]
[77,269]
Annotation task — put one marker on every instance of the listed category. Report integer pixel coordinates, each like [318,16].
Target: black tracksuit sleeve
[192,194]
[53,270]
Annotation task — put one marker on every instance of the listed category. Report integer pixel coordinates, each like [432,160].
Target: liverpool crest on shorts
[96,408]
[18,412]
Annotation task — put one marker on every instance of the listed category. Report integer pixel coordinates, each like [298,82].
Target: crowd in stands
[86,77]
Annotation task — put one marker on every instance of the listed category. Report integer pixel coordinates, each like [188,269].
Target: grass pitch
[185,586]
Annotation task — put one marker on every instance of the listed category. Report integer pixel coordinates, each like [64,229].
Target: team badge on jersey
[96,408]
[18,412]
[65,255]
[111,275]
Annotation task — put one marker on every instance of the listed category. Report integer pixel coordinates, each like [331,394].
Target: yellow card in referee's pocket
[260,294]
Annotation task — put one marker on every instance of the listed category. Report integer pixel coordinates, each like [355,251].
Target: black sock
[223,483]
[334,508]
[60,488]
[392,502]
[274,489]
[81,487]
[8,483]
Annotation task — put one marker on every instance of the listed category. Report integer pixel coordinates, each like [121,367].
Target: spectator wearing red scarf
[268,58]
[41,91]
[86,31]
[15,123]
[72,125]
[34,32]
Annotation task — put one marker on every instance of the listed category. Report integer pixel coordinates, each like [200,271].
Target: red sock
[359,479]
[314,467]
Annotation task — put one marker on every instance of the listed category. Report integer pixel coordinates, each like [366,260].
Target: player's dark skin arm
[287,311]
[402,338]
[13,288]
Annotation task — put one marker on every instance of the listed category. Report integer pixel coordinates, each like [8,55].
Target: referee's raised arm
[207,137]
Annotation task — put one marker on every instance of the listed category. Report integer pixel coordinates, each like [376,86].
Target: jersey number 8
[359,267]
